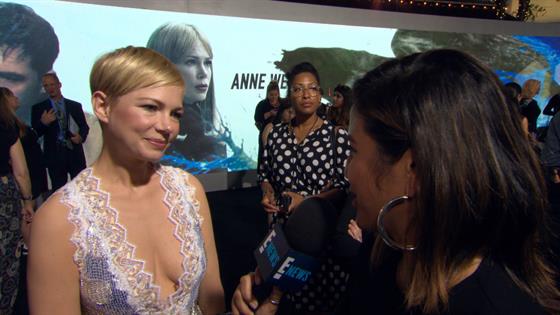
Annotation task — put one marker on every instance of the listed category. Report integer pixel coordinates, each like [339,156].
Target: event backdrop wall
[254,42]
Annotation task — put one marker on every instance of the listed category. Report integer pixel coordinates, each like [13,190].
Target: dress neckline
[124,251]
[311,131]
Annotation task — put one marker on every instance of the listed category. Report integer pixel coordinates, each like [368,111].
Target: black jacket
[50,132]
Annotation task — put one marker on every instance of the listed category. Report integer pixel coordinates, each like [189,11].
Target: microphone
[289,255]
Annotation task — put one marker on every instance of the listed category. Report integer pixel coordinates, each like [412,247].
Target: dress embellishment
[112,280]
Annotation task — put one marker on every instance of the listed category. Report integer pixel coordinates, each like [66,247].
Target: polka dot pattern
[324,290]
[310,168]
[313,165]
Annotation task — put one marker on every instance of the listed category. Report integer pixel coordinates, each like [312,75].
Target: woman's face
[144,122]
[273,96]
[338,100]
[373,181]
[196,70]
[305,94]
[287,115]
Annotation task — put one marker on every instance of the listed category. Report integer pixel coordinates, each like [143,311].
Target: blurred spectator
[339,112]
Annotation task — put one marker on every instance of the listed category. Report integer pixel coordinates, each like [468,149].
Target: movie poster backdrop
[248,53]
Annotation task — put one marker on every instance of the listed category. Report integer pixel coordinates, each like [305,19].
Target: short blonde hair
[131,68]
[530,88]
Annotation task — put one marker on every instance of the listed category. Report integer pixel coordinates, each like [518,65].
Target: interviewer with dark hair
[458,203]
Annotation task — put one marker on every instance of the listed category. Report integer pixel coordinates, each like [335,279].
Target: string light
[497,6]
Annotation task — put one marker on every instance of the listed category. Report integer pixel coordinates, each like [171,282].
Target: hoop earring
[381,229]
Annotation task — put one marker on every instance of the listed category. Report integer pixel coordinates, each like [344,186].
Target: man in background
[62,124]
[28,48]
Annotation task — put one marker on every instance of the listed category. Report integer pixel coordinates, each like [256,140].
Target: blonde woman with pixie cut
[128,235]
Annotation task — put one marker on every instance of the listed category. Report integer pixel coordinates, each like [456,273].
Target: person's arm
[259,115]
[80,119]
[550,154]
[53,282]
[36,123]
[268,200]
[335,191]
[265,133]
[211,297]
[341,154]
[525,126]
[533,112]
[552,106]
[21,175]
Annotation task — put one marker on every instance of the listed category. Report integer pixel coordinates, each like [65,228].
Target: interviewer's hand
[267,307]
[245,303]
[243,300]
[354,231]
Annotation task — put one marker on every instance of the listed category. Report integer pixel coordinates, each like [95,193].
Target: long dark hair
[8,119]
[480,191]
[341,115]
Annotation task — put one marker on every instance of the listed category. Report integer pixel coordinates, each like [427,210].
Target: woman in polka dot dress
[303,158]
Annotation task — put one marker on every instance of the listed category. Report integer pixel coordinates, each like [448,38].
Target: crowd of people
[446,192]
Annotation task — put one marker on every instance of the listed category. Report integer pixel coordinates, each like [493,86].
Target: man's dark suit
[59,159]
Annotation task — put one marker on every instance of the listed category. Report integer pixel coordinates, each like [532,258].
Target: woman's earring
[381,229]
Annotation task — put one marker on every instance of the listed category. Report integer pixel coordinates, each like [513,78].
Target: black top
[550,154]
[531,110]
[8,136]
[263,107]
[488,291]
[51,132]
[35,164]
[553,105]
[307,168]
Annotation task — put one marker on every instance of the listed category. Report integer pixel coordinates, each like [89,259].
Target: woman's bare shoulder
[191,180]
[51,219]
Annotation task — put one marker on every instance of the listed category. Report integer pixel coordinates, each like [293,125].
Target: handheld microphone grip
[288,255]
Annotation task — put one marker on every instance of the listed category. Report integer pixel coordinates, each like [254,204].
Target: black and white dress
[309,168]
